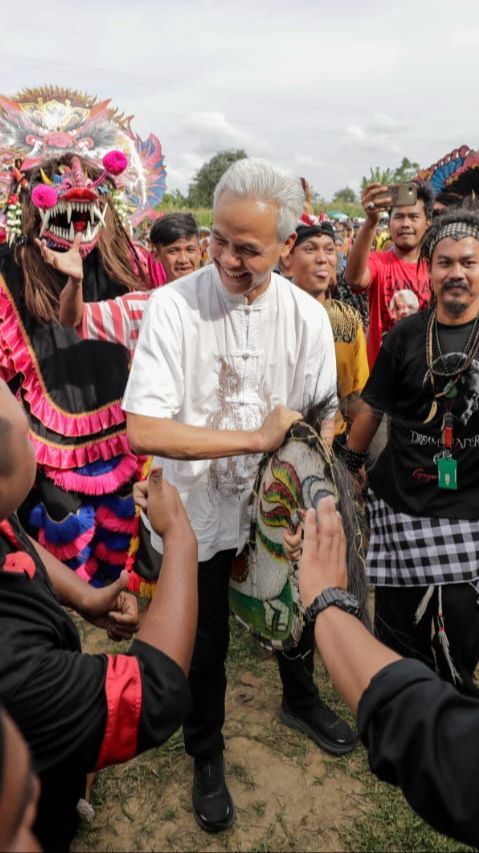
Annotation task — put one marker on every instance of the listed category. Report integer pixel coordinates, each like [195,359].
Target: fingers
[140,494]
[292,544]
[156,477]
[77,241]
[310,536]
[328,518]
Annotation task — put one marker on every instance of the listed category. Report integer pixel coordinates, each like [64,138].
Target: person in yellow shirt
[312,262]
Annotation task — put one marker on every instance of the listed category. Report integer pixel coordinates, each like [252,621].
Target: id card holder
[447,473]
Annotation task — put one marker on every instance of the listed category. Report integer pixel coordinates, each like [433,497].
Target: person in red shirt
[384,273]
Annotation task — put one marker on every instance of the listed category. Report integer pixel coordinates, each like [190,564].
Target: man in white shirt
[226,359]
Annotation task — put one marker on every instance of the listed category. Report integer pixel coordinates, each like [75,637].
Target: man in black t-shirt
[82,712]
[424,498]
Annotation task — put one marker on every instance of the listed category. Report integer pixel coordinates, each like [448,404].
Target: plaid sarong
[407,550]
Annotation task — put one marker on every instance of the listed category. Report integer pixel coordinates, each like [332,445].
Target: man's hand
[372,208]
[69,263]
[161,502]
[273,431]
[323,560]
[292,542]
[112,608]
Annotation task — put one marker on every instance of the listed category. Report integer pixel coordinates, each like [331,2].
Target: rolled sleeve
[165,695]
[155,386]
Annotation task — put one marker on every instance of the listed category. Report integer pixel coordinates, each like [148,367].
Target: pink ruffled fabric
[110,521]
[62,458]
[71,549]
[18,358]
[104,484]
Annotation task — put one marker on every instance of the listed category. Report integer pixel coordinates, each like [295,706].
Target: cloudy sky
[327,89]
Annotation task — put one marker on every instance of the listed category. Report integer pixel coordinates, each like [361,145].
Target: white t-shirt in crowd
[206,358]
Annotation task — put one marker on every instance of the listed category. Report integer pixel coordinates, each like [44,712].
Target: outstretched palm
[69,263]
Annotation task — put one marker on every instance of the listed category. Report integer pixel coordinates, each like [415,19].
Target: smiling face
[454,270]
[179,258]
[313,265]
[408,225]
[244,244]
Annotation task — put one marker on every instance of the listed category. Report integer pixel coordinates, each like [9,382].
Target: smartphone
[400,195]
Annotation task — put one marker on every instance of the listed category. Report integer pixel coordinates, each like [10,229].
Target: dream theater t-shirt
[405,475]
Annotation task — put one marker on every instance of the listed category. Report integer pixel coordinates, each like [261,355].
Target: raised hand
[162,503]
[69,263]
[323,560]
[372,206]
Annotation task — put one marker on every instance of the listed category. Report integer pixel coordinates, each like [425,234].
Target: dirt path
[289,794]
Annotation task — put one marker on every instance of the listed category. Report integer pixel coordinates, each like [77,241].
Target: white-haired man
[225,359]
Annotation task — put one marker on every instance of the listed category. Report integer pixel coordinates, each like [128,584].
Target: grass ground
[290,796]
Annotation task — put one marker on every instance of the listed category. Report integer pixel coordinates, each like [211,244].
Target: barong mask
[264,590]
[70,202]
[45,128]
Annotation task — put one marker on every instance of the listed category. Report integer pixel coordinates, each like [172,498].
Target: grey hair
[408,295]
[260,180]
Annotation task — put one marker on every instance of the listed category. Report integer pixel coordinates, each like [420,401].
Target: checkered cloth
[407,550]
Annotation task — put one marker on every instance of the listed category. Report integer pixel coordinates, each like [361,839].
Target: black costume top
[423,735]
[76,711]
[405,474]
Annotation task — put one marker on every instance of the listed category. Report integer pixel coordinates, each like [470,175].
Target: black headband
[305,232]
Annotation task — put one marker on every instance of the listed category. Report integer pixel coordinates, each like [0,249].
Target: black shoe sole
[328,745]
[217,827]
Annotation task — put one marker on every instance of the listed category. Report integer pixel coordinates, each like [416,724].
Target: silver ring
[370,206]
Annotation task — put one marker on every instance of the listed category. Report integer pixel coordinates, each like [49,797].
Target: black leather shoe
[322,725]
[212,804]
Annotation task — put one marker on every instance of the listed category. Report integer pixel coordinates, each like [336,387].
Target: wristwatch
[333,596]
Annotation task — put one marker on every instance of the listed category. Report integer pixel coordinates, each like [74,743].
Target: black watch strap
[334,596]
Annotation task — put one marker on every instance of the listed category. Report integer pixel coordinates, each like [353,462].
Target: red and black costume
[77,712]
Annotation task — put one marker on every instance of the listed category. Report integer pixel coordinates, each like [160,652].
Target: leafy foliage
[401,174]
[346,194]
[174,200]
[201,189]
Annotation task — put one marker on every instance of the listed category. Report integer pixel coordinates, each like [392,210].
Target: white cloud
[378,135]
[210,131]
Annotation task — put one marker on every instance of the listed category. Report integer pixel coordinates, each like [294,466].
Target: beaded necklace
[446,465]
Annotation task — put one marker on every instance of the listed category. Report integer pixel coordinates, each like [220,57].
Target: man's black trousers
[394,626]
[203,727]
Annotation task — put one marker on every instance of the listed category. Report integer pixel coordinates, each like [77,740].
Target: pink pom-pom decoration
[44,197]
[115,162]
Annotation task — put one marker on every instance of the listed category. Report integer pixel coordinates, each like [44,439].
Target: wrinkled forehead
[245,218]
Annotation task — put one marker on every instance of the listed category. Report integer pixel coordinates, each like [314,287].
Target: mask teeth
[45,220]
[69,213]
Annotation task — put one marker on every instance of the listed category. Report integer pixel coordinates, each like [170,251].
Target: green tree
[377,176]
[201,189]
[346,194]
[406,171]
[176,199]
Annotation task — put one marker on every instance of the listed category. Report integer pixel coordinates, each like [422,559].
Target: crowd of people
[140,391]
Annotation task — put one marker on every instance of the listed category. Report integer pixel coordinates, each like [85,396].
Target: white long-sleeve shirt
[207,358]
